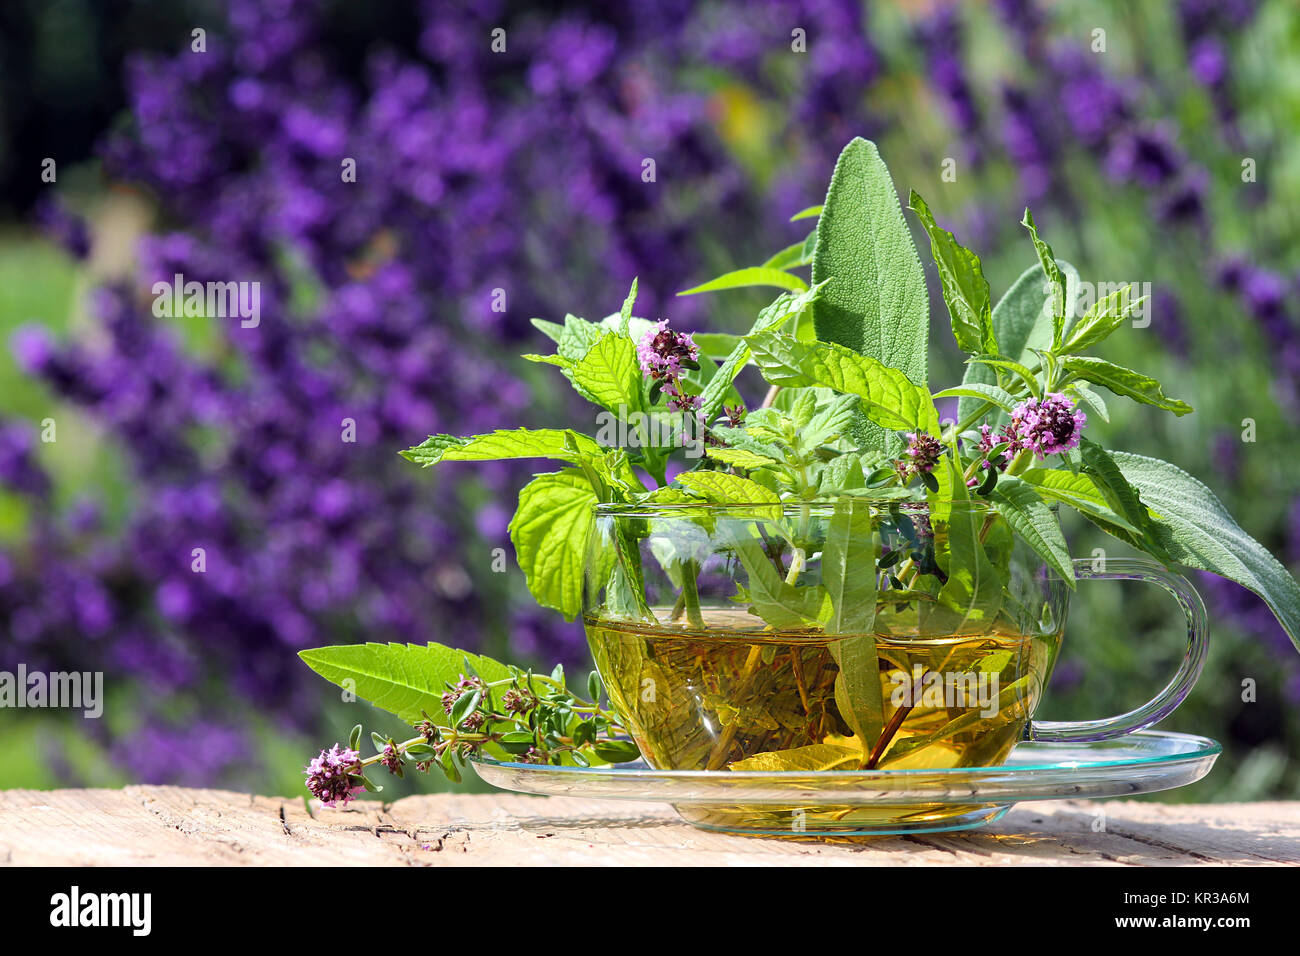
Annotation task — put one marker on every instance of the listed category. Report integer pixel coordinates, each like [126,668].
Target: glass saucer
[861,802]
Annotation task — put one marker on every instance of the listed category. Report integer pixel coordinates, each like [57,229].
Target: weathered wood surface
[176,826]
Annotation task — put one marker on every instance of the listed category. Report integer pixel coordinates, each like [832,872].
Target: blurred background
[1156,142]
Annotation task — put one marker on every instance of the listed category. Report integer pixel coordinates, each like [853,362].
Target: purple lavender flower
[333,777]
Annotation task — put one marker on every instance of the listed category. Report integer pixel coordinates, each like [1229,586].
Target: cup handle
[1165,702]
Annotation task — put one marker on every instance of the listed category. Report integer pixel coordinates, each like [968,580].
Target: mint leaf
[987,393]
[1124,381]
[965,290]
[776,314]
[721,488]
[549,531]
[1197,531]
[888,396]
[625,313]
[1057,296]
[1022,321]
[407,680]
[1031,518]
[755,275]
[1105,316]
[876,303]
[503,444]
[829,422]
[778,603]
[609,374]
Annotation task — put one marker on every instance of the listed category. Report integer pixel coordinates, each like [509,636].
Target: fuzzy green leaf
[1197,531]
[876,303]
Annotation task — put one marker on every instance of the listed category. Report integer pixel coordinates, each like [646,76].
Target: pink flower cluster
[334,776]
[662,354]
[1047,427]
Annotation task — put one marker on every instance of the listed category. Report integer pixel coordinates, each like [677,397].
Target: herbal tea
[735,696]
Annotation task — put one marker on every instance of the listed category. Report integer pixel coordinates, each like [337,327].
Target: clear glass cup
[849,635]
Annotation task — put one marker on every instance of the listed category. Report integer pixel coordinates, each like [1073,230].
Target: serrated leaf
[609,374]
[719,487]
[965,290]
[1031,518]
[876,303]
[830,422]
[1124,381]
[889,398]
[549,531]
[1104,317]
[407,680]
[501,445]
[772,317]
[1055,277]
[1022,321]
[755,275]
[740,458]
[1196,531]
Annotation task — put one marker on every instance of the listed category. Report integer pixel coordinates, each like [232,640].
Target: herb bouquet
[815,555]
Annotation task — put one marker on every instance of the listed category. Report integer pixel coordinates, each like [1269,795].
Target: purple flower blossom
[662,352]
[333,777]
[1046,427]
[924,451]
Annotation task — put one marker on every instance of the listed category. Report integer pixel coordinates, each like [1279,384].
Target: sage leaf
[876,303]
[1197,532]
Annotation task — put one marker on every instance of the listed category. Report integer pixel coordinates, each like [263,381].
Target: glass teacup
[833,636]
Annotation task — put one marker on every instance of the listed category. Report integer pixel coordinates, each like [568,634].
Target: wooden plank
[177,826]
